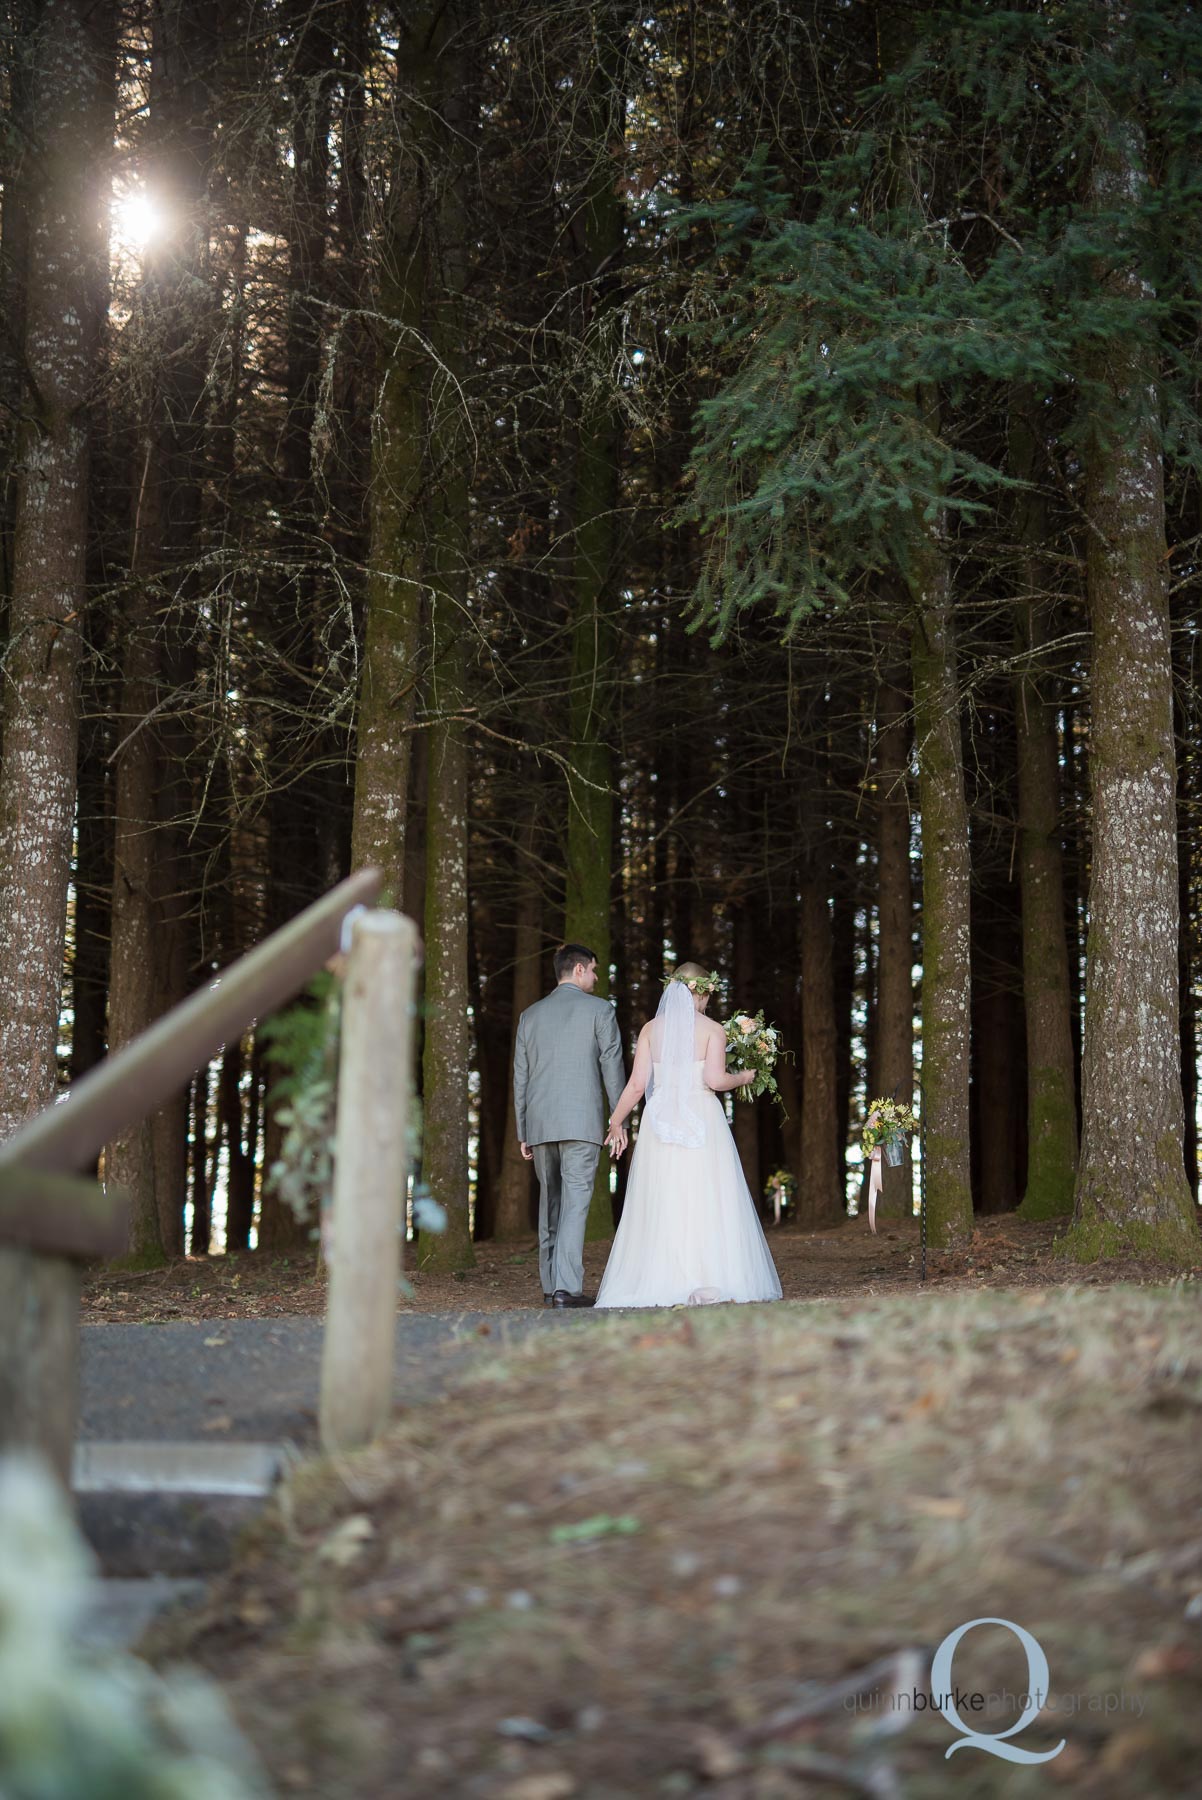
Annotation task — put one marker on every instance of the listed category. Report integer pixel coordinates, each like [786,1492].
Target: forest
[713,480]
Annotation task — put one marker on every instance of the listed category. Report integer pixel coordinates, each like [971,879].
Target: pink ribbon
[875,1186]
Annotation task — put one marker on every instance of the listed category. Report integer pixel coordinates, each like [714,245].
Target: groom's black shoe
[548,1300]
[561,1297]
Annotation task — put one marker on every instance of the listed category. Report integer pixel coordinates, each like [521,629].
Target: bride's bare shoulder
[711,1028]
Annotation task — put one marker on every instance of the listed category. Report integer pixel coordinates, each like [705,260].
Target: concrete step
[170,1509]
[119,1609]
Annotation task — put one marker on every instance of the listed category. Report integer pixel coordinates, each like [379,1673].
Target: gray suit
[567,1063]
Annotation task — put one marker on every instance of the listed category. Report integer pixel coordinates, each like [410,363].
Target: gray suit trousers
[566,1172]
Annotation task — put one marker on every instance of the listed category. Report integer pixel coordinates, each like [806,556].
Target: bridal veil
[671,1111]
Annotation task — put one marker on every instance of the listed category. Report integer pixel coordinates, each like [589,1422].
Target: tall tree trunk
[746,1128]
[589,897]
[946,976]
[1132,1194]
[1187,826]
[153,929]
[71,113]
[446,1052]
[843,971]
[129,1159]
[93,884]
[14,283]
[240,1159]
[1074,802]
[788,1070]
[893,1058]
[1051,1085]
[398,548]
[996,1110]
[491,996]
[202,1213]
[516,1190]
[819,1195]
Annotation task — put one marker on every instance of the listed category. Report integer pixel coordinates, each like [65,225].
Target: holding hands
[616,1140]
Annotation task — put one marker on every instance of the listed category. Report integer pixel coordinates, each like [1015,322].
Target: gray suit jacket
[568,1044]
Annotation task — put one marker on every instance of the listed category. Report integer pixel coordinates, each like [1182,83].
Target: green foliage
[303,1044]
[951,248]
[74,1723]
[601,1525]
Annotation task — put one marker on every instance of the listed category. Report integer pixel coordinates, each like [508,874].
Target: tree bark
[240,1163]
[517,1175]
[893,1057]
[746,1128]
[589,897]
[446,1051]
[820,1199]
[153,928]
[202,1211]
[1132,1194]
[946,975]
[1051,1082]
[71,83]
[398,546]
[995,1068]
[1187,953]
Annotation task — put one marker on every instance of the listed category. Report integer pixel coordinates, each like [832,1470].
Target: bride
[689,1230]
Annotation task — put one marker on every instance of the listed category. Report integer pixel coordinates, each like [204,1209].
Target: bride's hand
[747,1077]
[616,1141]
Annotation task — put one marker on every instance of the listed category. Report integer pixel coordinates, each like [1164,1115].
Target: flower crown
[697,984]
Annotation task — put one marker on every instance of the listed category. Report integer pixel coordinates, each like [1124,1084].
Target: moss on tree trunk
[1132,1195]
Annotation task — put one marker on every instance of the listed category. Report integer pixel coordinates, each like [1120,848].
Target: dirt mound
[713,1551]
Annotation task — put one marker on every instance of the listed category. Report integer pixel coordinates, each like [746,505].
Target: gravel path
[257,1379]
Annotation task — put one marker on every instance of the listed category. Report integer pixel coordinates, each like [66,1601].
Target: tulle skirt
[690,1231]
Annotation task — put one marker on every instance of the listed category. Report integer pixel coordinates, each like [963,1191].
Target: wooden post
[39,1371]
[49,1224]
[370,1172]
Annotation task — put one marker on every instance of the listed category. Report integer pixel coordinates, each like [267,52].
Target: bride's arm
[636,1087]
[716,1075]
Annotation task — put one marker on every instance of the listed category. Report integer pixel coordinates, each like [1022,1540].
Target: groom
[568,1046]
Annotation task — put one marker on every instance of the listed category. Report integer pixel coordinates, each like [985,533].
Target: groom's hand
[527,1152]
[617,1141]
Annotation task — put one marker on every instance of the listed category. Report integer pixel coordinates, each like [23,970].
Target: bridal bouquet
[751,1044]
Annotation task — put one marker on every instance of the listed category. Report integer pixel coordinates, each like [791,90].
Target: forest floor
[662,1554]
[843,1262]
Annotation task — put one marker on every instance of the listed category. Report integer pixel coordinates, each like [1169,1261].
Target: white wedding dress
[690,1231]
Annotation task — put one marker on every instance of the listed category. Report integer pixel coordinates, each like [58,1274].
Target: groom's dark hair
[567,956]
